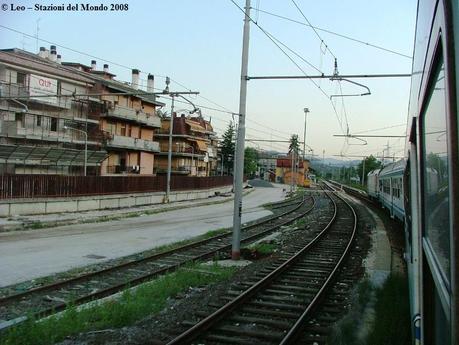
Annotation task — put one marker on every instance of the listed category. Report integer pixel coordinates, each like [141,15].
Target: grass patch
[132,306]
[258,251]
[300,223]
[91,268]
[346,331]
[378,316]
[392,313]
[213,233]
[35,225]
[263,248]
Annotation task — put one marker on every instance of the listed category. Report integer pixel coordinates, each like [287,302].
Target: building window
[39,120]
[21,78]
[111,127]
[19,117]
[436,189]
[53,124]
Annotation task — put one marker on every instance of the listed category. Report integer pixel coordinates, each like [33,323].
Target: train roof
[374,172]
[395,168]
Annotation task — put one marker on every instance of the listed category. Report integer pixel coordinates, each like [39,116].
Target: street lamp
[85,145]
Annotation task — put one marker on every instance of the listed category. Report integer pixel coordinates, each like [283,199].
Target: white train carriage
[390,181]
[372,184]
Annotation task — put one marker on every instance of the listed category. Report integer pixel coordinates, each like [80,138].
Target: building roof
[24,59]
[76,64]
[49,155]
[195,126]
[116,85]
[69,70]
[287,163]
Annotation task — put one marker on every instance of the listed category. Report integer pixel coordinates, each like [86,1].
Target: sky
[198,43]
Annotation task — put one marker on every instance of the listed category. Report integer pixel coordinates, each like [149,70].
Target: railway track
[49,299]
[279,302]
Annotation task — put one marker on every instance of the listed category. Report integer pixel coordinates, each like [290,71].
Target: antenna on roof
[36,33]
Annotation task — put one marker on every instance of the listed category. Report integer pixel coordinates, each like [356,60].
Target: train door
[438,167]
[411,204]
[391,196]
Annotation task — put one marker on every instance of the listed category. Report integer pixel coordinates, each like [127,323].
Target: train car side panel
[433,110]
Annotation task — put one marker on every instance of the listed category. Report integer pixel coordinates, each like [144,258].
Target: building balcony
[11,129]
[134,115]
[177,170]
[122,142]
[19,91]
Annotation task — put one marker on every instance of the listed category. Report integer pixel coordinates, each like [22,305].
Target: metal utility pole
[239,159]
[291,170]
[171,127]
[363,173]
[306,111]
[169,153]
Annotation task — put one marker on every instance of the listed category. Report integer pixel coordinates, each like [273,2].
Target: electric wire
[380,129]
[293,61]
[312,27]
[338,34]
[161,76]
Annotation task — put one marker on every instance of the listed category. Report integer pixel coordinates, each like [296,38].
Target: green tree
[227,147]
[294,144]
[250,161]
[371,163]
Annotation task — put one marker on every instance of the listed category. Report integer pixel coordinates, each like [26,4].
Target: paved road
[26,255]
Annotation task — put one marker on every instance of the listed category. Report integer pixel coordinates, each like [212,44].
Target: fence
[43,186]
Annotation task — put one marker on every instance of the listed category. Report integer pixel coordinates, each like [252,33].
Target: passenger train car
[385,186]
[391,188]
[431,179]
[373,184]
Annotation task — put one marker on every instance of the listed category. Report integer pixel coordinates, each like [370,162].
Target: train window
[436,188]
[396,187]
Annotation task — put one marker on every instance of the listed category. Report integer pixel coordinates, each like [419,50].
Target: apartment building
[194,147]
[67,118]
[46,126]
[128,120]
[267,166]
[285,173]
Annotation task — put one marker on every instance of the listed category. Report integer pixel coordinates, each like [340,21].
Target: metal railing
[44,186]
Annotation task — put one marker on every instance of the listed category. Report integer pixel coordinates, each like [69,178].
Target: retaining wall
[18,207]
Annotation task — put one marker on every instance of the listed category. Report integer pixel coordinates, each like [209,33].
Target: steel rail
[202,326]
[119,287]
[291,336]
[134,262]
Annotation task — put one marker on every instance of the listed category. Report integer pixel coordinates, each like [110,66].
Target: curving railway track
[48,299]
[278,304]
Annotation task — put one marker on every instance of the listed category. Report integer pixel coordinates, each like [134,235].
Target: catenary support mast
[239,166]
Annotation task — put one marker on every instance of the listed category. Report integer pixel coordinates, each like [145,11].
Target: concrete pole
[306,111]
[221,172]
[85,153]
[192,158]
[291,171]
[239,159]
[363,173]
[169,152]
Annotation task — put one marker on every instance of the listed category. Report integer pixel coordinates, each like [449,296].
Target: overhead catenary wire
[337,34]
[380,129]
[108,61]
[293,61]
[315,31]
[227,111]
